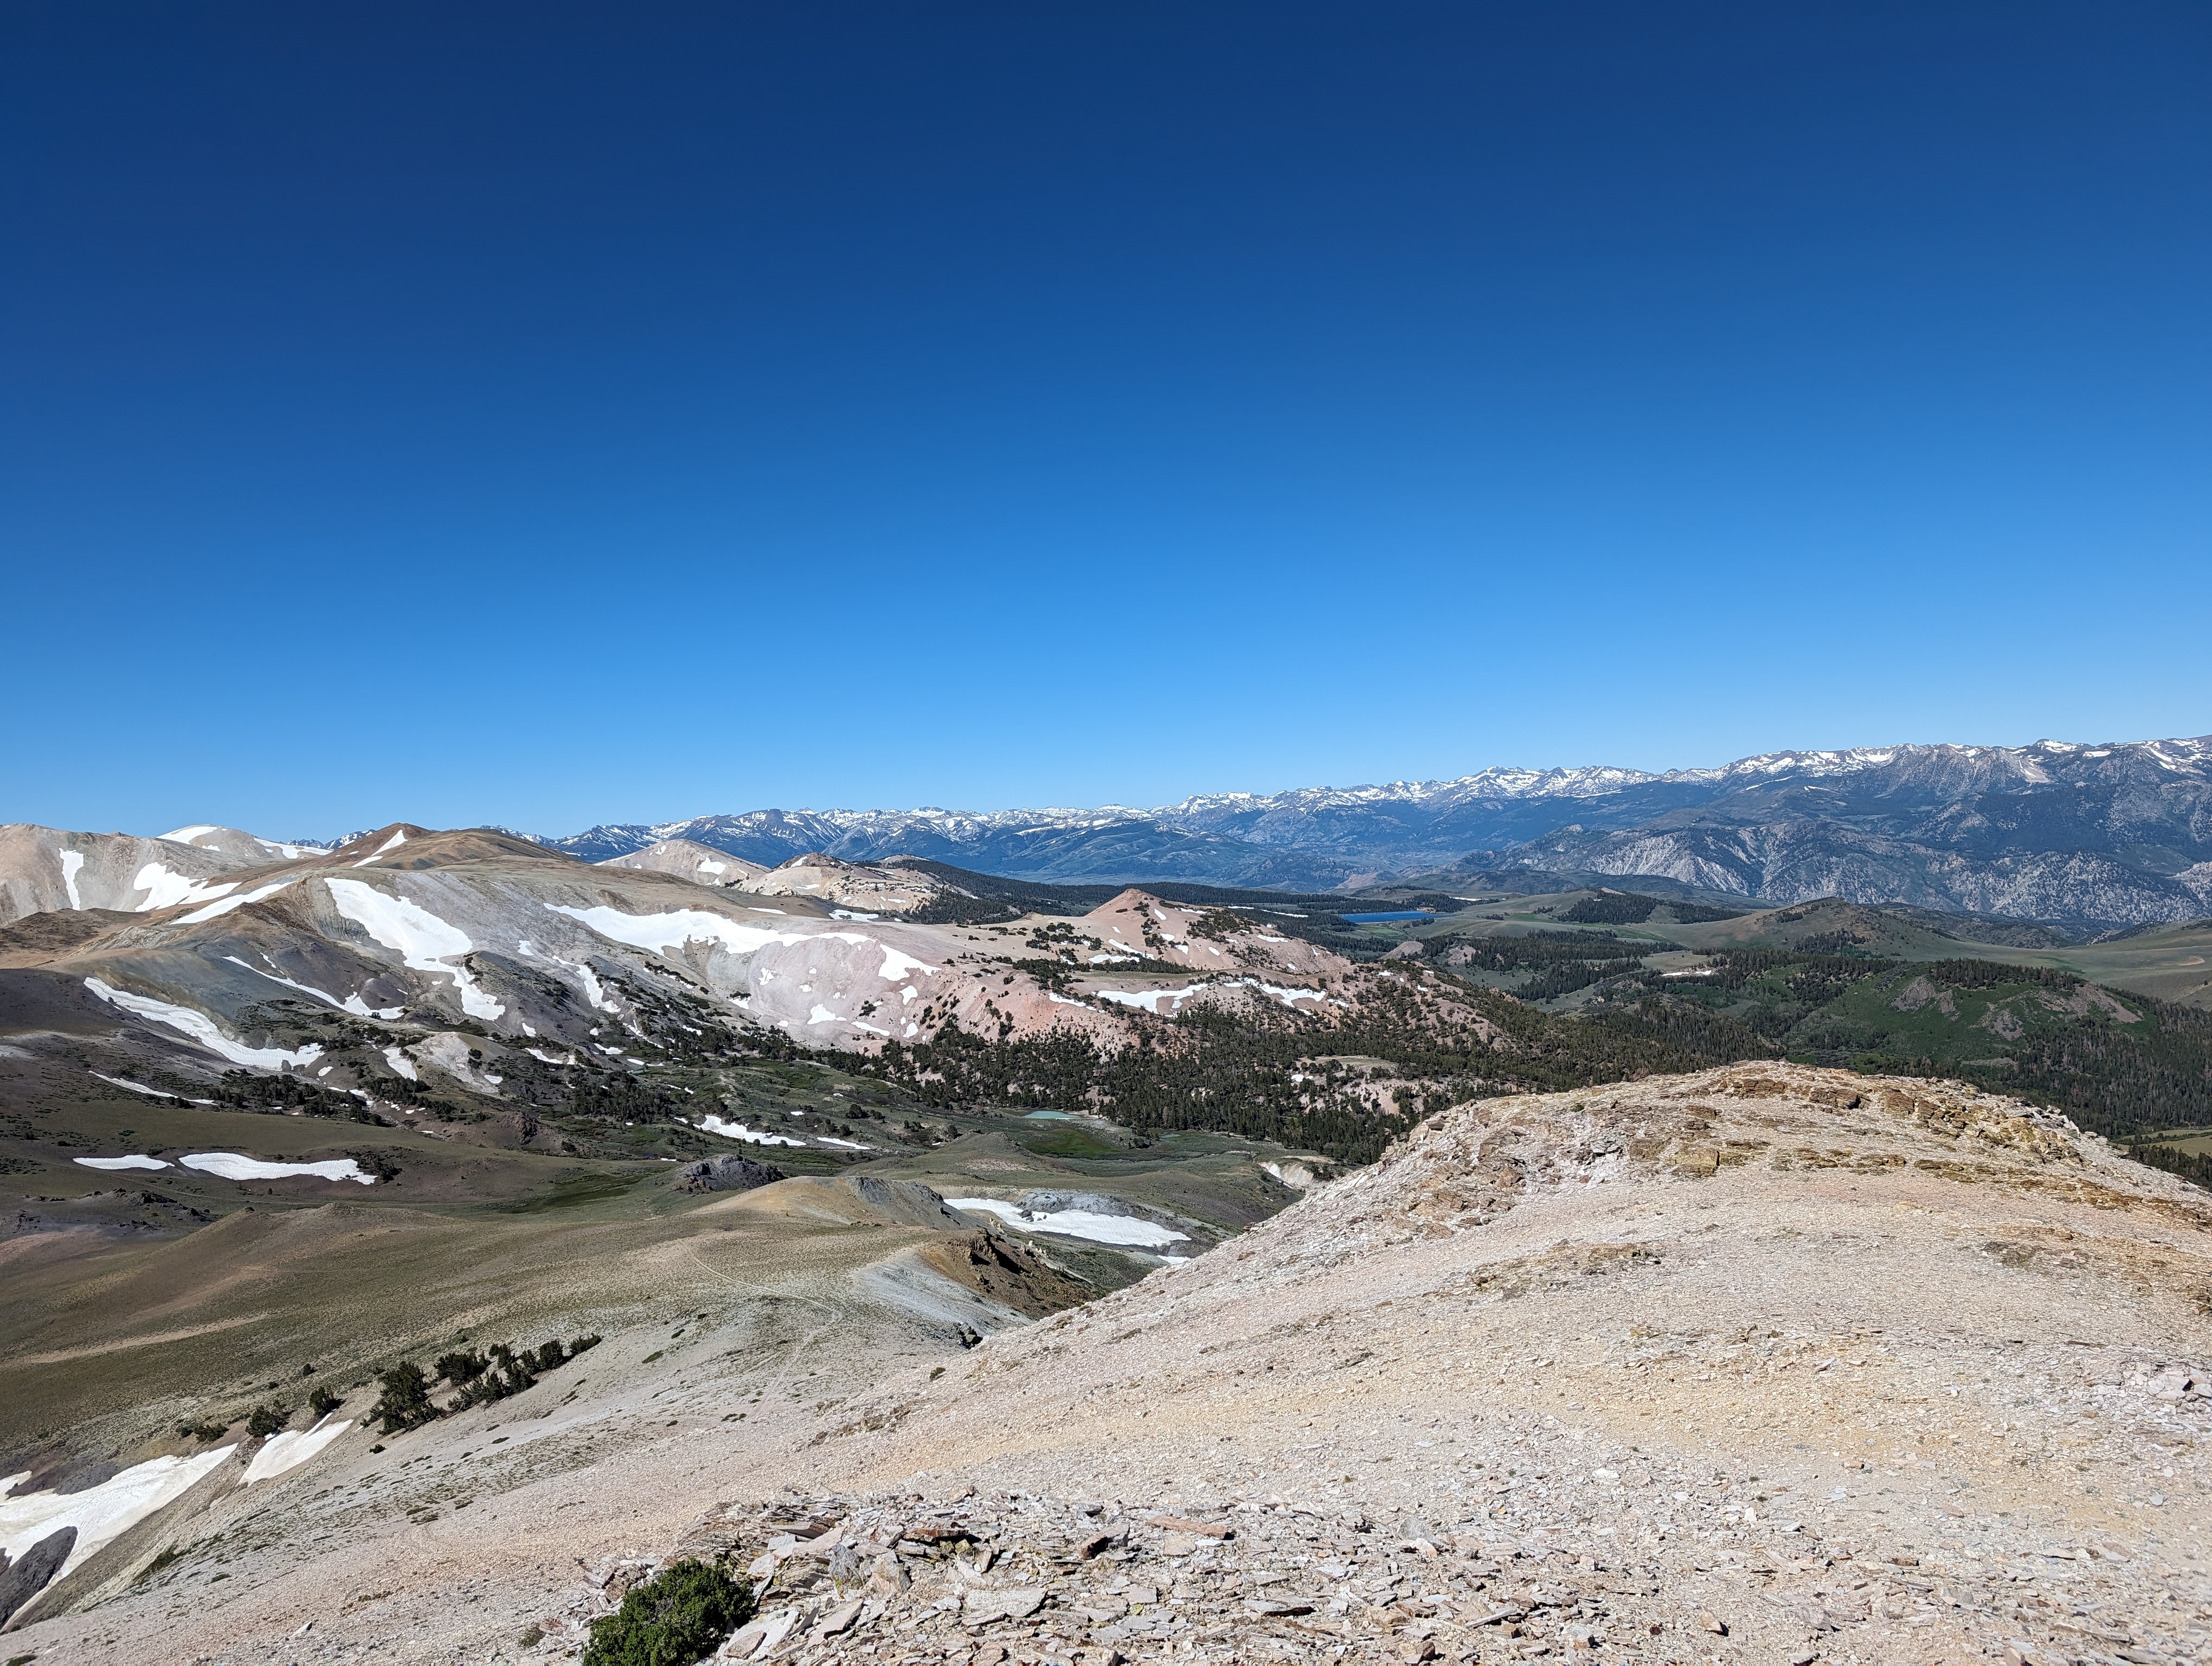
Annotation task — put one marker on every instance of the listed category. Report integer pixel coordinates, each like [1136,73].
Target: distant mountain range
[2088,836]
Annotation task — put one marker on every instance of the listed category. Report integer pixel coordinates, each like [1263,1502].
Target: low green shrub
[267,1420]
[461,1367]
[676,1618]
[405,1402]
[496,1373]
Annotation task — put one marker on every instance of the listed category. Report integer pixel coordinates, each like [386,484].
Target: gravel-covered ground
[1030,1579]
[1763,1365]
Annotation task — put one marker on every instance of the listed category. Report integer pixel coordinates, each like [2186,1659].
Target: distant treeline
[2031,1031]
[991,898]
[1239,1072]
[1628,908]
[1279,1076]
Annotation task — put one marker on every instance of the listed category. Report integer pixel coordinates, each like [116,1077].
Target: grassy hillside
[2171,962]
[199,1297]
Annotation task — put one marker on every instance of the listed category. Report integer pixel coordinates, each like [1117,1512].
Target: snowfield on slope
[100,1513]
[1131,1231]
[287,1449]
[663,932]
[730,1130]
[202,1028]
[229,1165]
[796,975]
[215,910]
[165,889]
[426,942]
[352,1003]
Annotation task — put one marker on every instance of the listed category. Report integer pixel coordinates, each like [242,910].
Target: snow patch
[165,890]
[216,910]
[133,1161]
[401,1064]
[201,1028]
[71,861]
[425,942]
[594,995]
[287,1449]
[101,1514]
[152,1092]
[352,1003]
[191,835]
[1130,1230]
[1289,996]
[730,1130]
[1148,1000]
[821,1015]
[229,1165]
[392,843]
[663,932]
[898,967]
[593,992]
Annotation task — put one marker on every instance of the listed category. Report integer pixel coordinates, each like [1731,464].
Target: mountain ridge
[2105,836]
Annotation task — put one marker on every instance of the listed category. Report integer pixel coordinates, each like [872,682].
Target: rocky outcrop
[847,885]
[699,863]
[33,1571]
[726,1173]
[1763,1362]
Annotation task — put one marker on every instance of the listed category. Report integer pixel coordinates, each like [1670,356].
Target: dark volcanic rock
[31,1573]
[727,1174]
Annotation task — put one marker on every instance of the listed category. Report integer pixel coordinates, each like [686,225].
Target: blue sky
[551,414]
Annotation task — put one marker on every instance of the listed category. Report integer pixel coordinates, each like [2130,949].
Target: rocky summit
[1763,1363]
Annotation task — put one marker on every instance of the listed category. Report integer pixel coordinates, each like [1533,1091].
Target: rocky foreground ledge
[1029,1581]
[1766,1364]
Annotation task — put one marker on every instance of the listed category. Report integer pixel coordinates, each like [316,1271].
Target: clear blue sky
[546,414]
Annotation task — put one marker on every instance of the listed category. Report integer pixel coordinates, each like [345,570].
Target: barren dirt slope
[1764,1364]
[1848,1367]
